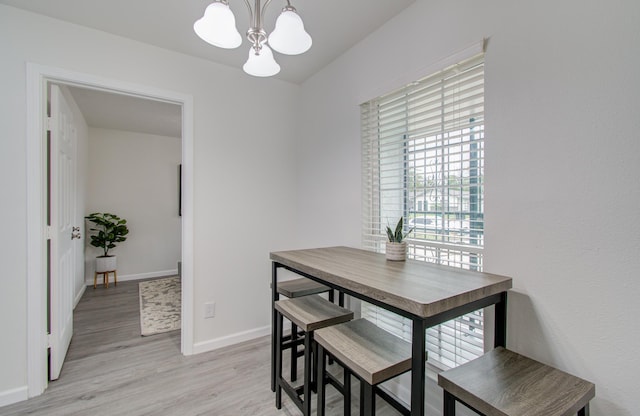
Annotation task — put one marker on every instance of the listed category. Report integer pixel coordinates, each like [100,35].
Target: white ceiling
[335,26]
[107,110]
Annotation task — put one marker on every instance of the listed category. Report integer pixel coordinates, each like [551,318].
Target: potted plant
[396,249]
[109,230]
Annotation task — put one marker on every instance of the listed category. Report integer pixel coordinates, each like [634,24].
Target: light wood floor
[111,370]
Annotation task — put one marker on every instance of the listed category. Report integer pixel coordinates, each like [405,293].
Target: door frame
[37,78]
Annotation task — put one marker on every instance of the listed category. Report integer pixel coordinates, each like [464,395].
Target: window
[423,160]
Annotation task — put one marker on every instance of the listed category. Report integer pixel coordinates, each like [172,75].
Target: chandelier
[218,27]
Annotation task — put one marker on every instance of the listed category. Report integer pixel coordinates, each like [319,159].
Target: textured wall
[561,166]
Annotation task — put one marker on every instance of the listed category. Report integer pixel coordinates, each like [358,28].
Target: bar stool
[366,351]
[294,288]
[502,382]
[308,313]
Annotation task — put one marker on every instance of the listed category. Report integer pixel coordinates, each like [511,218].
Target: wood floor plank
[111,370]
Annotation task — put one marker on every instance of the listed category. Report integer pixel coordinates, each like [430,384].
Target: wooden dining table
[426,293]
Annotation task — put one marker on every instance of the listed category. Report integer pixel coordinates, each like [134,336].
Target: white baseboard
[79,296]
[16,395]
[232,339]
[139,276]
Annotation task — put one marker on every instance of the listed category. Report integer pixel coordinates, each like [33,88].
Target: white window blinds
[423,160]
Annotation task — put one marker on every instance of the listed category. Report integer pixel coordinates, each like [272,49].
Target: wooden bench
[505,383]
[367,351]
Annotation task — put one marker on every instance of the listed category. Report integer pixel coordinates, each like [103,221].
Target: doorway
[126,152]
[38,78]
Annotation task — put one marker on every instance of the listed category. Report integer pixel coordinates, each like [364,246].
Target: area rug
[160,305]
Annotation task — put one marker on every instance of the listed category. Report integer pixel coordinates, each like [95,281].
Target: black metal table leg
[418,357]
[449,404]
[274,298]
[500,329]
[584,411]
[367,399]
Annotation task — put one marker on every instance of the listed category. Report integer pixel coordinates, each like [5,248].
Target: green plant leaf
[110,229]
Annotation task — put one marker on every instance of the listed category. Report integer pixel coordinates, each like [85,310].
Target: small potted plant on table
[396,249]
[109,230]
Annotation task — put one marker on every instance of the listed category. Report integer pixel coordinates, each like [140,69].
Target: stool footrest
[293,393]
[395,403]
[337,384]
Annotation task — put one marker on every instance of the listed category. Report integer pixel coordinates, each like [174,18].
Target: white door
[63,233]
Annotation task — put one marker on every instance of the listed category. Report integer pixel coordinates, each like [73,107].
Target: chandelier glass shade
[218,27]
[261,64]
[289,36]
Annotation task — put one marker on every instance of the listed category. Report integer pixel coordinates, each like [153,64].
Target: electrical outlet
[209,309]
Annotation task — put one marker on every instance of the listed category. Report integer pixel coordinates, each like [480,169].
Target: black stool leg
[314,363]
[449,404]
[346,386]
[278,364]
[294,352]
[320,386]
[308,341]
[367,399]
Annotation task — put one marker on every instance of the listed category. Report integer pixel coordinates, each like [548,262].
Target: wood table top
[417,287]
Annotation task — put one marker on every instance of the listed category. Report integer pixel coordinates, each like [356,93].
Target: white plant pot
[106,264]
[396,251]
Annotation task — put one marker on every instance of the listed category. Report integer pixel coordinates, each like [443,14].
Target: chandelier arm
[263,9]
[249,8]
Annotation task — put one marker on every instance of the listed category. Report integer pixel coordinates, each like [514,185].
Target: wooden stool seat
[105,278]
[367,351]
[308,313]
[502,382]
[300,287]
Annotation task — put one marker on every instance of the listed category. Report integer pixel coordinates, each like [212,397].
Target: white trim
[36,248]
[11,396]
[138,276]
[214,344]
[79,296]
[410,76]
[186,333]
[37,78]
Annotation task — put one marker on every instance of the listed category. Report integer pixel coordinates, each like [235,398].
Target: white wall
[244,186]
[561,166]
[135,176]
